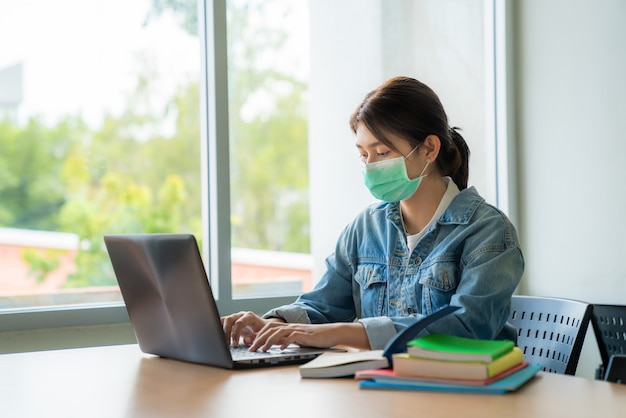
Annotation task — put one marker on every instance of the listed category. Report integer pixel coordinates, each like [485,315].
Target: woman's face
[371,150]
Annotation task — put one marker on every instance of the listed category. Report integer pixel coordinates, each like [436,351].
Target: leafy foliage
[127,176]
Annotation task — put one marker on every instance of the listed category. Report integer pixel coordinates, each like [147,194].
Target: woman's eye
[383,154]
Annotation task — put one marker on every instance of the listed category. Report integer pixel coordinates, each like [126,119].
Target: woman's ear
[431,147]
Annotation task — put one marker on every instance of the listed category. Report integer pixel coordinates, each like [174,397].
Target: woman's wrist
[352,334]
[275,319]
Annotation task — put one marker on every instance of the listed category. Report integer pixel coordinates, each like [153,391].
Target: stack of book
[449,363]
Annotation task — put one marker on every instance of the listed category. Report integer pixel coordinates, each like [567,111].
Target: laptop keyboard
[243,352]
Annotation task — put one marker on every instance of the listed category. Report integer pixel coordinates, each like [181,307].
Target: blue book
[509,383]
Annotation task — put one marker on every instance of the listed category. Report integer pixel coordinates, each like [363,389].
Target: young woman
[432,241]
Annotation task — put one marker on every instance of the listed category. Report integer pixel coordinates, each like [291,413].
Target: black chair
[609,327]
[550,331]
[616,370]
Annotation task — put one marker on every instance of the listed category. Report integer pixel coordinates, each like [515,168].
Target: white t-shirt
[450,194]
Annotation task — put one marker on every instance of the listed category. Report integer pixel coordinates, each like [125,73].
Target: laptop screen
[171,306]
[168,298]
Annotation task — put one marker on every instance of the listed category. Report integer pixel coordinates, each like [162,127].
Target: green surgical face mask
[388,180]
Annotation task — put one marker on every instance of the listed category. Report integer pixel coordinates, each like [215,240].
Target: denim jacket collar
[460,211]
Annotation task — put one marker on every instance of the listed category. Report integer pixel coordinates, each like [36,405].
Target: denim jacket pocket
[440,281]
[370,275]
[372,280]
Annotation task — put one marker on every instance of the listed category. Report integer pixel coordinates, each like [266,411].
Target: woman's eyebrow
[372,144]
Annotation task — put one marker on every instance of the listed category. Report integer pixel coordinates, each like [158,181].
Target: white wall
[336,89]
[571,128]
[439,43]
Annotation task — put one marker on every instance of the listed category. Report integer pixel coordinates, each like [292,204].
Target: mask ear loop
[412,151]
[425,167]
[427,161]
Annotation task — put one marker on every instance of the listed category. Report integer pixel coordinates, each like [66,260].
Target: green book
[450,347]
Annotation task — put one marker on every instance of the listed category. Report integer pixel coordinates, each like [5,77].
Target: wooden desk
[120,381]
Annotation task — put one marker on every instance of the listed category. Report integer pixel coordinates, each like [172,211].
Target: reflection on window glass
[99,133]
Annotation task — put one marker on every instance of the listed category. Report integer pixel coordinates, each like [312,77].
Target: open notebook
[171,306]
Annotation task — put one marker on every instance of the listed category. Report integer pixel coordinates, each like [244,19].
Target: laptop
[171,307]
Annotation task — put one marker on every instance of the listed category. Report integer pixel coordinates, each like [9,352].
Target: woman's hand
[305,335]
[310,335]
[262,333]
[244,325]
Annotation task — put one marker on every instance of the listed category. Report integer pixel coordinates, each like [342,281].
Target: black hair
[410,109]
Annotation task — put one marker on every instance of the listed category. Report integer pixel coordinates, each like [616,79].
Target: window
[268,65]
[99,133]
[230,123]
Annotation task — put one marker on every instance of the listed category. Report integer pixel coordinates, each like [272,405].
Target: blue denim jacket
[469,258]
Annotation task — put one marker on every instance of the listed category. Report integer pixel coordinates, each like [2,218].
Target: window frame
[506,177]
[216,169]
[215,177]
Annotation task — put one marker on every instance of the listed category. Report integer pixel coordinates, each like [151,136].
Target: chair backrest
[616,370]
[550,331]
[609,327]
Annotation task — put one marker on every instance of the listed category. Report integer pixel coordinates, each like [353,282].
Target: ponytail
[455,161]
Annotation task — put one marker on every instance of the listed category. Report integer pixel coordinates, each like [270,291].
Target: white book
[332,364]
